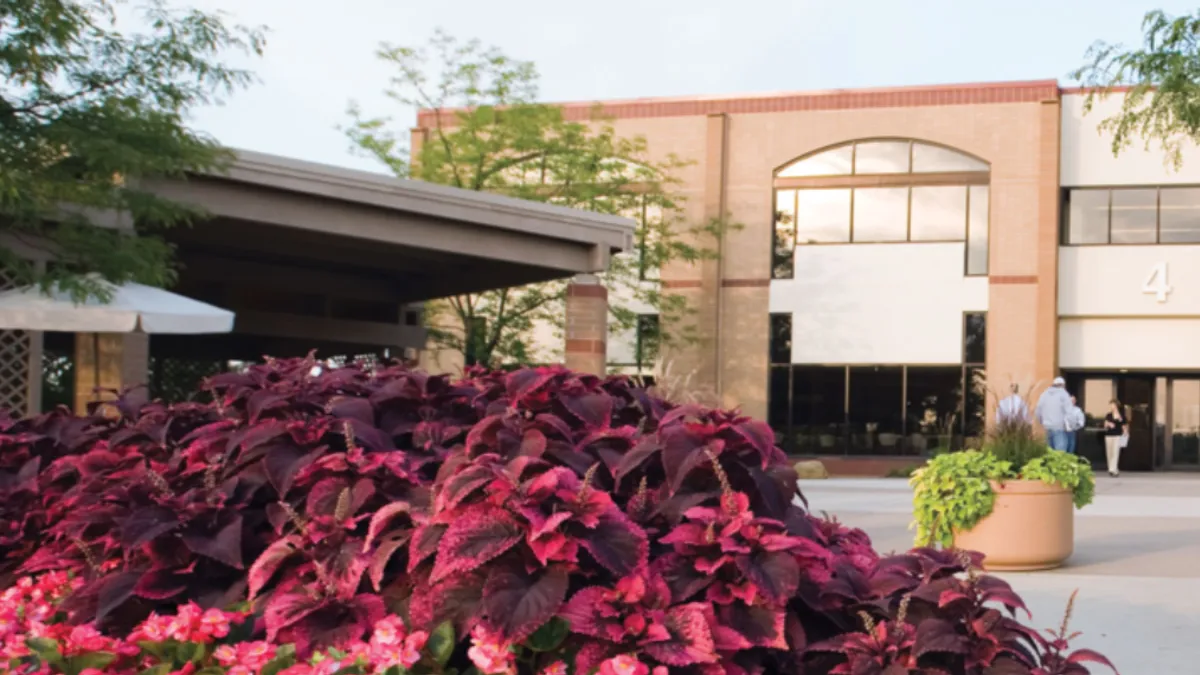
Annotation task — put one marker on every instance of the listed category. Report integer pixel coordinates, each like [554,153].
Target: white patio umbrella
[132,308]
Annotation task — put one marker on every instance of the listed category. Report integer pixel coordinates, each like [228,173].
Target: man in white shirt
[1013,407]
[1076,421]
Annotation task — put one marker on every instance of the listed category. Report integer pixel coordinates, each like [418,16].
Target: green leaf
[160,669]
[45,649]
[441,643]
[549,636]
[81,662]
[285,657]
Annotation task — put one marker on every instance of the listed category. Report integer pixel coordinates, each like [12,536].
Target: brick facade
[587,325]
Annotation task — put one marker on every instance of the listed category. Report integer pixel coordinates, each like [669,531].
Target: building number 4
[1156,284]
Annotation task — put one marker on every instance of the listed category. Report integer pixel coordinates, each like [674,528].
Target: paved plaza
[1136,563]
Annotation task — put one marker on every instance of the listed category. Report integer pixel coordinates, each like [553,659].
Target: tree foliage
[491,134]
[86,111]
[1162,78]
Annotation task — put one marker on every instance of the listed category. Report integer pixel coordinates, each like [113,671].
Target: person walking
[1076,421]
[1012,407]
[1051,412]
[1116,430]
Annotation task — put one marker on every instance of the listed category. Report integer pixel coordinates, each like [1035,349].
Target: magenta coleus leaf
[617,543]
[270,561]
[473,539]
[224,545]
[517,603]
[691,640]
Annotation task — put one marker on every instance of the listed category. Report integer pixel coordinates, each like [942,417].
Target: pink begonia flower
[214,623]
[255,655]
[226,655]
[625,664]
[489,654]
[389,631]
[240,670]
[556,668]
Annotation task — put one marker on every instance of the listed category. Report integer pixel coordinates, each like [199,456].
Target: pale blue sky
[319,57]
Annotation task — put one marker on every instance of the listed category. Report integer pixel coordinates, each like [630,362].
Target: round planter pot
[1031,527]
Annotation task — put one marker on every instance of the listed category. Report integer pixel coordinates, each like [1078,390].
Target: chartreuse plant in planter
[954,491]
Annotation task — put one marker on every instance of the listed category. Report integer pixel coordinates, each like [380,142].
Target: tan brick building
[896,245]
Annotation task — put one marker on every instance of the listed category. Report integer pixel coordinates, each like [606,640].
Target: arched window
[882,190]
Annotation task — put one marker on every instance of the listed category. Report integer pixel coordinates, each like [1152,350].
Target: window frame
[1065,213]
[854,181]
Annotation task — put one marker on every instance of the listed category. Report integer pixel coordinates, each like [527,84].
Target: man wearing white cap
[1052,412]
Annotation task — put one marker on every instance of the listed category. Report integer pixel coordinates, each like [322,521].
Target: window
[879,410]
[835,162]
[1134,216]
[932,398]
[880,214]
[881,191]
[935,159]
[822,216]
[1168,215]
[1179,215]
[818,397]
[781,338]
[875,157]
[1087,217]
[977,230]
[783,260]
[646,349]
[876,410]
[975,337]
[476,340]
[939,213]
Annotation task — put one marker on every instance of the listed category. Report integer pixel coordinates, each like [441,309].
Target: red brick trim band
[1012,279]
[745,283]
[576,346]
[839,99]
[587,291]
[677,284]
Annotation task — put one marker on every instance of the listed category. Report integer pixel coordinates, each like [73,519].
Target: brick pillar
[123,362]
[587,325]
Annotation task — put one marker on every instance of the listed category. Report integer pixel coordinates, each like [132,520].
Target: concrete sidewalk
[1136,563]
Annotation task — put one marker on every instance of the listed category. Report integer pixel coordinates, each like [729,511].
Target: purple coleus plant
[562,517]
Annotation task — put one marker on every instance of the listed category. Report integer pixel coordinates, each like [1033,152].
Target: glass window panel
[1134,216]
[881,214]
[648,332]
[1185,422]
[935,159]
[975,338]
[835,162]
[1179,215]
[778,401]
[1096,395]
[822,216]
[819,397]
[939,213]
[881,157]
[876,408]
[783,247]
[781,338]
[975,403]
[933,407]
[977,230]
[1087,217]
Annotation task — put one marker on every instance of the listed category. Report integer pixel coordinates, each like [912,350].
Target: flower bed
[529,522]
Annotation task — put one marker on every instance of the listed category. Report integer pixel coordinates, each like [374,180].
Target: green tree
[86,112]
[491,134]
[1162,78]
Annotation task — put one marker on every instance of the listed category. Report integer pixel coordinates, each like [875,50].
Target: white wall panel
[1135,344]
[1113,280]
[879,303]
[1087,156]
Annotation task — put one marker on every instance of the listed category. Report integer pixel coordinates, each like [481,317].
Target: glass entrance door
[1136,392]
[1184,423]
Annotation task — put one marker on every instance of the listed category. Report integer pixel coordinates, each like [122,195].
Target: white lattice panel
[15,348]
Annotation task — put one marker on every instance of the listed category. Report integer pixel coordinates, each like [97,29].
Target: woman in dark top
[1114,435]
